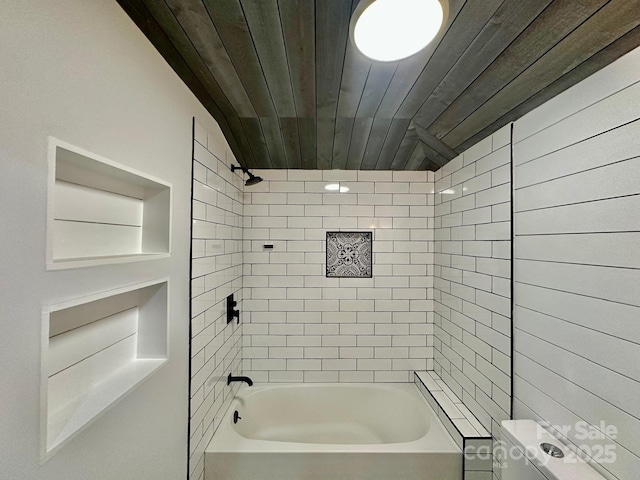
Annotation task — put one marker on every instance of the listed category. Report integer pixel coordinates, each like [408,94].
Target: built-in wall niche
[102,212]
[94,351]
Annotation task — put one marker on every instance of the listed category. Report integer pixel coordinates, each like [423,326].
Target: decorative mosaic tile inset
[349,254]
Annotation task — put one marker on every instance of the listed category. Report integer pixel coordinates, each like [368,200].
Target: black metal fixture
[253,179]
[231,312]
[236,416]
[231,378]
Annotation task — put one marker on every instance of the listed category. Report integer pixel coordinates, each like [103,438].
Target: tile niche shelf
[94,351]
[100,212]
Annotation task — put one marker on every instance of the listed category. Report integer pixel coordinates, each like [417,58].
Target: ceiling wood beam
[434,143]
[433,155]
[428,165]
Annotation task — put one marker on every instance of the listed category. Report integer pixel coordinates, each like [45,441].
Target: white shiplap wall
[577,263]
[305,327]
[216,272]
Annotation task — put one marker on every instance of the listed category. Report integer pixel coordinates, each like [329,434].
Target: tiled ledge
[465,429]
[464,422]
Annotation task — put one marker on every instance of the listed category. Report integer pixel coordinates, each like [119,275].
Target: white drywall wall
[81,71]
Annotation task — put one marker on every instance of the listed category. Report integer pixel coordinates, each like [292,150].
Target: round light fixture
[390,30]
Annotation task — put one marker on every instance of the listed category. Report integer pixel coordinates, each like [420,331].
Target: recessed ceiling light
[390,30]
[344,189]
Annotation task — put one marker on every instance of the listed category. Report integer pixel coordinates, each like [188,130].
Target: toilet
[526,459]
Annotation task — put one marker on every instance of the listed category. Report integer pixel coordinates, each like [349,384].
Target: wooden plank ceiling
[290,90]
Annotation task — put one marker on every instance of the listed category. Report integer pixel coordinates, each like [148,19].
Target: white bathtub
[332,432]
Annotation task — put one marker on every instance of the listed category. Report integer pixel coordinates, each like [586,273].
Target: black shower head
[253,179]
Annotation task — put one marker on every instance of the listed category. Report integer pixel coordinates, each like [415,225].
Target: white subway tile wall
[472,278]
[304,327]
[577,266]
[216,264]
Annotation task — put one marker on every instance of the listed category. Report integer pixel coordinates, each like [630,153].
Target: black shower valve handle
[231,311]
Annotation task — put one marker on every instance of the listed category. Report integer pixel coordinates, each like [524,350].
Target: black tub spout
[230,379]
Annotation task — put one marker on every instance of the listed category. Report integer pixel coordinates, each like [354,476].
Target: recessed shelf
[102,212]
[94,351]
